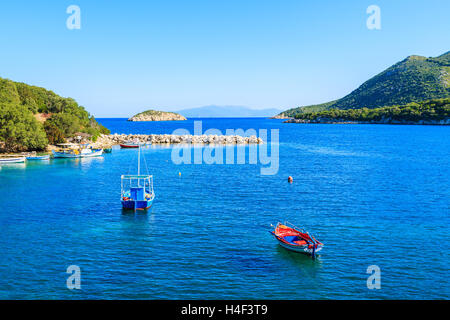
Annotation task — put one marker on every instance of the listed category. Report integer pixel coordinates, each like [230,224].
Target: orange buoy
[290,179]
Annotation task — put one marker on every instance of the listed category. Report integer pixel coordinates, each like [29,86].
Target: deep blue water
[373,194]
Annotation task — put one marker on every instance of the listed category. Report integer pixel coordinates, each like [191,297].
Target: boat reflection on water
[79,161]
[19,165]
[302,262]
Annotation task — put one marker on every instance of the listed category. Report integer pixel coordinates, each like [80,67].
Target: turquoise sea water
[373,194]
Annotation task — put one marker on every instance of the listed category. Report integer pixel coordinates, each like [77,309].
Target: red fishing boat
[129,145]
[296,239]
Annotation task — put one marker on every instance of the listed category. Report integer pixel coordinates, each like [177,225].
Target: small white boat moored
[11,159]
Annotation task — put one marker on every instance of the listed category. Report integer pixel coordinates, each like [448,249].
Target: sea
[377,196]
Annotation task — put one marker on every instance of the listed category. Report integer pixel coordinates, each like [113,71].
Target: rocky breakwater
[107,141]
[153,115]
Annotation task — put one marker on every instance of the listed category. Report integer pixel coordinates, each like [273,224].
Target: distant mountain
[227,112]
[413,79]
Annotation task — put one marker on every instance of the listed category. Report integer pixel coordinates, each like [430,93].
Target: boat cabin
[137,191]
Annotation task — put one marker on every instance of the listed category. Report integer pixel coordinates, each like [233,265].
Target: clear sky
[133,55]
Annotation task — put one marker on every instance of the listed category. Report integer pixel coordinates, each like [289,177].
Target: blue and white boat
[137,190]
[43,157]
[69,150]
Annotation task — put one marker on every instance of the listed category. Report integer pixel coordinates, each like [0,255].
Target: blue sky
[132,55]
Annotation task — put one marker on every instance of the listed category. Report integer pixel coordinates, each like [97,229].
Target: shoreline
[443,122]
[107,141]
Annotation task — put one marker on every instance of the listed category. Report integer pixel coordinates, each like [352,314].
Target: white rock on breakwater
[106,141]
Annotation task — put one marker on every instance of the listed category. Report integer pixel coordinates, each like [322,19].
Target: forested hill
[413,79]
[436,111]
[32,117]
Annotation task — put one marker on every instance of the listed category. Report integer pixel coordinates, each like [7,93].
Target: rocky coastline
[442,122]
[107,141]
[281,116]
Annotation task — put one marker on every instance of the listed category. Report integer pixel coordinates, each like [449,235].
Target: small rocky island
[153,115]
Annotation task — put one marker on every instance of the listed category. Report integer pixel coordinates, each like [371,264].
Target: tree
[19,130]
[67,116]
[54,135]
[67,123]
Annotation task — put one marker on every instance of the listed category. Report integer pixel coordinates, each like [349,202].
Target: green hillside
[307,109]
[414,79]
[32,117]
[430,110]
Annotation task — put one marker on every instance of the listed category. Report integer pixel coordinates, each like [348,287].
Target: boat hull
[137,204]
[46,157]
[300,249]
[81,155]
[129,146]
[12,160]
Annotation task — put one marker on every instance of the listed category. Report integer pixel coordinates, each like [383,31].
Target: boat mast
[139,159]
